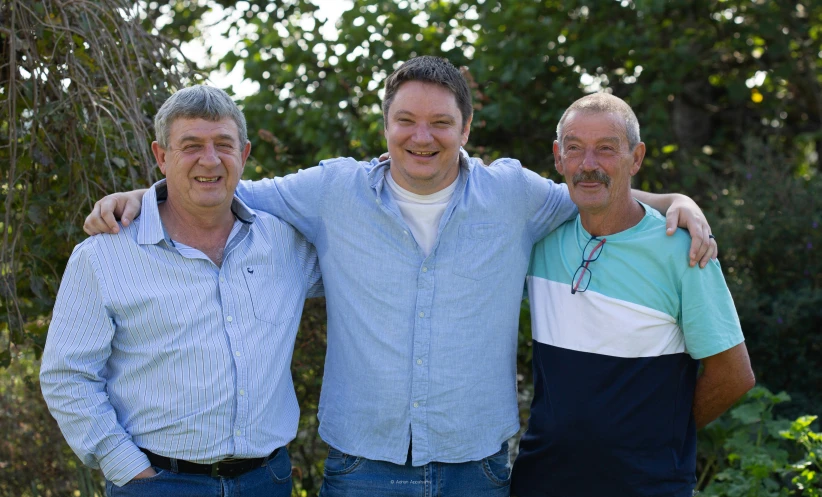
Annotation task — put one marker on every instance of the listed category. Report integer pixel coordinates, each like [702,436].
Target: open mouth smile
[203,179]
[422,154]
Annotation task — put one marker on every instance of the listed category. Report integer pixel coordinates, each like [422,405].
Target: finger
[107,205]
[95,223]
[130,211]
[700,240]
[708,250]
[384,157]
[671,221]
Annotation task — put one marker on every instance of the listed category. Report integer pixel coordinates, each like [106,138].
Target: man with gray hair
[620,324]
[167,359]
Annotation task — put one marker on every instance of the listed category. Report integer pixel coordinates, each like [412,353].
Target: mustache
[589,176]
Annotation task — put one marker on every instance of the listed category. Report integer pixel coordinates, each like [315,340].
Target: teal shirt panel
[644,266]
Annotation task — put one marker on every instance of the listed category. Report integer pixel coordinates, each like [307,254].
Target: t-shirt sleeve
[709,319]
[549,204]
[296,198]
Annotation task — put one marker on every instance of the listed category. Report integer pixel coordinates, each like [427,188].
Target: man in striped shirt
[620,323]
[167,359]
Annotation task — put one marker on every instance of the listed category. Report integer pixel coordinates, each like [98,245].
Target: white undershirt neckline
[422,213]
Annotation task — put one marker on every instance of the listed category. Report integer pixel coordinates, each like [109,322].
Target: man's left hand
[686,214]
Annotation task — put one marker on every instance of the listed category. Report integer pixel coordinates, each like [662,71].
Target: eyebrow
[435,116]
[198,139]
[607,139]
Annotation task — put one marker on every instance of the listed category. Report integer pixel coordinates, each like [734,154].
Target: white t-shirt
[421,212]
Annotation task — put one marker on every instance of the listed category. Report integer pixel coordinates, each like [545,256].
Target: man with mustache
[423,259]
[620,323]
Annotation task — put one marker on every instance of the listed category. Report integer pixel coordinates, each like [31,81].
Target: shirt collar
[151,230]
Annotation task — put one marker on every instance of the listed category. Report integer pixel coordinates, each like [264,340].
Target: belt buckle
[215,469]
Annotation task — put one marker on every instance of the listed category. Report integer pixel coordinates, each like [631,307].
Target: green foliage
[727,92]
[34,458]
[748,452]
[78,83]
[769,224]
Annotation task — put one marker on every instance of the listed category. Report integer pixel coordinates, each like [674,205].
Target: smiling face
[424,130]
[202,164]
[596,160]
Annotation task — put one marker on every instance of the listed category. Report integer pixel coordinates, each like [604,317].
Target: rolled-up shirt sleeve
[72,374]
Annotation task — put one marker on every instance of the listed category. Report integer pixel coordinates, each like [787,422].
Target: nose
[209,158]
[589,159]
[422,133]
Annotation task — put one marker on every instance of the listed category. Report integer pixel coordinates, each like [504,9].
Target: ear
[160,156]
[638,155]
[558,159]
[466,130]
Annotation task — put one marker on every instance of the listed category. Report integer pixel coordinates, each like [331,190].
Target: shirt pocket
[260,280]
[479,246]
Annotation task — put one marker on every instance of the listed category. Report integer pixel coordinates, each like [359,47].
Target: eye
[191,148]
[225,146]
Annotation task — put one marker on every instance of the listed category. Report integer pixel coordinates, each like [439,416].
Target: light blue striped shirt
[420,347]
[152,345]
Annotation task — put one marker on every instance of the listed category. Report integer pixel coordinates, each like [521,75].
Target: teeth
[207,180]
[424,153]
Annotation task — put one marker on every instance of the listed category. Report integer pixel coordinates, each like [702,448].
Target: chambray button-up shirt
[152,345]
[418,347]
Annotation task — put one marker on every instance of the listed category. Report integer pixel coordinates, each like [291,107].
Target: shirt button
[238,433]
[416,404]
[422,314]
[237,353]
[242,392]
[379,201]
[419,361]
[229,319]
[405,232]
[424,269]
[222,280]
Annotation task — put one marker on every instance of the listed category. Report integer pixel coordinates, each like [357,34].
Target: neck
[612,219]
[205,232]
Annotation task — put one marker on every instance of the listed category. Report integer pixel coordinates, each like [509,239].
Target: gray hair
[198,102]
[605,103]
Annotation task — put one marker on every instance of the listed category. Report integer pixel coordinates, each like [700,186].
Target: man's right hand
[146,473]
[124,206]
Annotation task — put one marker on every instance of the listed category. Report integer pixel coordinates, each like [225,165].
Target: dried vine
[78,82]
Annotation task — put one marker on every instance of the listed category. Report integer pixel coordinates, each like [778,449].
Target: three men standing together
[423,261]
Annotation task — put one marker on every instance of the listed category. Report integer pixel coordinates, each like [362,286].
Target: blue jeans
[352,476]
[271,480]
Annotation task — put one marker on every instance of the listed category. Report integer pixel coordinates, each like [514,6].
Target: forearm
[716,393]
[78,347]
[89,423]
[659,201]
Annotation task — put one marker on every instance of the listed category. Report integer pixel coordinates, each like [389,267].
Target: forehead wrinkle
[195,138]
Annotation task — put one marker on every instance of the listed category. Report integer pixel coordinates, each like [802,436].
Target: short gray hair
[198,102]
[606,103]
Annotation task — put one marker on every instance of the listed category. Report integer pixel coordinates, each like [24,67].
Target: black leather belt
[228,468]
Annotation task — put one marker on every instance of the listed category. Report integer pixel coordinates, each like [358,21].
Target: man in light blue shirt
[424,258]
[167,359]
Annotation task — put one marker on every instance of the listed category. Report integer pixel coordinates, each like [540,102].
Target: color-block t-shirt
[615,366]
